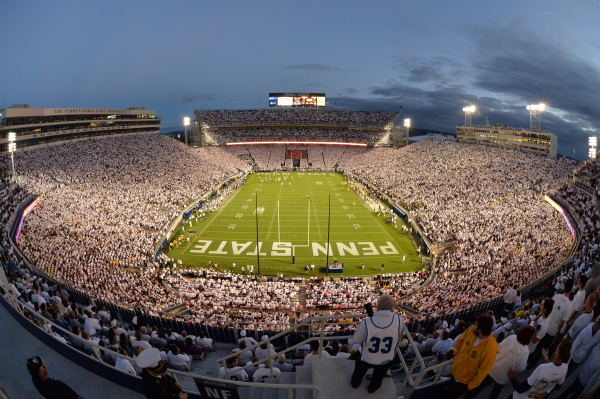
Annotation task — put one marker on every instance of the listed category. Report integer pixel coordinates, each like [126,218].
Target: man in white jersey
[378,335]
[561,312]
[546,377]
[557,324]
[232,371]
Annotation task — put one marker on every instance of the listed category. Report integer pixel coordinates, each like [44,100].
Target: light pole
[186,123]
[535,116]
[12,147]
[593,146]
[406,130]
[469,114]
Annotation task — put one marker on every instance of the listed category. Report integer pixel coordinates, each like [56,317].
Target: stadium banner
[216,389]
[22,218]
[552,201]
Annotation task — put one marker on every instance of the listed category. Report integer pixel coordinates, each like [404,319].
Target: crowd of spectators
[107,203]
[227,296]
[106,206]
[296,116]
[487,200]
[223,136]
[272,157]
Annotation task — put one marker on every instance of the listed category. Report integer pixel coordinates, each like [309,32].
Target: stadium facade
[308,125]
[527,140]
[43,126]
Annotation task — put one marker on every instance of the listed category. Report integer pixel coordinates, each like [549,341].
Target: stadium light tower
[12,147]
[186,123]
[593,147]
[535,116]
[406,130]
[469,114]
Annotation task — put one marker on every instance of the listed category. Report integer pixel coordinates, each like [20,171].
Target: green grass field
[293,220]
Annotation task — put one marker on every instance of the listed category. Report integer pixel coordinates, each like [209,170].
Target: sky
[430,57]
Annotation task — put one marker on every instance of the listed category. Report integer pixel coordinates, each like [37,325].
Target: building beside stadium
[42,126]
[527,140]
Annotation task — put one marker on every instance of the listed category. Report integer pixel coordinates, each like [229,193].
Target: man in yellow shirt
[474,355]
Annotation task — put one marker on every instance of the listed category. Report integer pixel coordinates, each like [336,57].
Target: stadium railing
[4,394]
[93,357]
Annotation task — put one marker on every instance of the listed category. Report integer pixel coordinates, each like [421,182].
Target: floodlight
[469,110]
[186,123]
[593,141]
[535,116]
[12,147]
[407,122]
[536,107]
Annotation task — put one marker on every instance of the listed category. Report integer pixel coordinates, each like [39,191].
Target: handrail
[308,322]
[96,354]
[437,369]
[321,337]
[289,387]
[4,394]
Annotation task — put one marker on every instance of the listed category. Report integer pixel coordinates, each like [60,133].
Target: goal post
[294,246]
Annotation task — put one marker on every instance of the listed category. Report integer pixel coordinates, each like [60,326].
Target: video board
[296,99]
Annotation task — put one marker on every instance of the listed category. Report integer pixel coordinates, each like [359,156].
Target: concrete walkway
[17,345]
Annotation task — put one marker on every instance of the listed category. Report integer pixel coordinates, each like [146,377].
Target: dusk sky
[431,57]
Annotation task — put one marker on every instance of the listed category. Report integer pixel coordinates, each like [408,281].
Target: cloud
[440,70]
[185,98]
[313,67]
[507,69]
[528,68]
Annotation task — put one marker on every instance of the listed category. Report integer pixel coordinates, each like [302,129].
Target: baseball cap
[243,333]
[34,364]
[150,359]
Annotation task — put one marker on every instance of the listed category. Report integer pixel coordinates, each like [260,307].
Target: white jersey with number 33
[379,346]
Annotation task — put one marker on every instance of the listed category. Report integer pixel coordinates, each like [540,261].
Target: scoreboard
[296,99]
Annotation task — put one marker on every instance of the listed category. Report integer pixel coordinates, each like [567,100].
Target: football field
[294,222]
